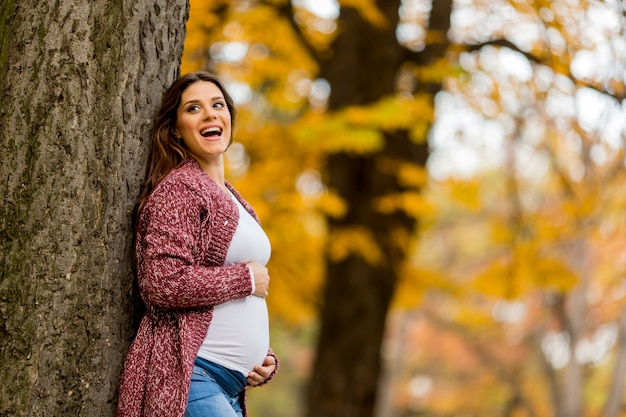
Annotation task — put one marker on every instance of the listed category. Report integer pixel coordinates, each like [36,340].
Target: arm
[168,246]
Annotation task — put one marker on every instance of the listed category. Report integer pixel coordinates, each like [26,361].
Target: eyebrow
[216,98]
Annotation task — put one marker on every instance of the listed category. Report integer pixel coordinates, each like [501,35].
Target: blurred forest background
[443,184]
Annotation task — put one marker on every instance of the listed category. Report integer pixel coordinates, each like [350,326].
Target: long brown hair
[166,153]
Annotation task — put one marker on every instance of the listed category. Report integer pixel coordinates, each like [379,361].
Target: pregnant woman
[201,256]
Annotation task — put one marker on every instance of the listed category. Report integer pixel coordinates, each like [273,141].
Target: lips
[211,131]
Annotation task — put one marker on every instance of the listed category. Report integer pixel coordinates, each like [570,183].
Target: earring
[178,140]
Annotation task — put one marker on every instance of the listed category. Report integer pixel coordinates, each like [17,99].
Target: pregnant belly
[238,337]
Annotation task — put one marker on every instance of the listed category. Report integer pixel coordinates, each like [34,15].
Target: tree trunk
[615,400]
[365,63]
[576,311]
[80,81]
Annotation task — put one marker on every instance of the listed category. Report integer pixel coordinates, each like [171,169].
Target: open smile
[211,131]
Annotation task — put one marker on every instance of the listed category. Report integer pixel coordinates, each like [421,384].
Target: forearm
[191,286]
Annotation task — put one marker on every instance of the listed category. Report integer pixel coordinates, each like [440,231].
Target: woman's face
[203,121]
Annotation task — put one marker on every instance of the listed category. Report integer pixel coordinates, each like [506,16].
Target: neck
[215,169]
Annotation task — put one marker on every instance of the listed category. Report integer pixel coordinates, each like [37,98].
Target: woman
[201,258]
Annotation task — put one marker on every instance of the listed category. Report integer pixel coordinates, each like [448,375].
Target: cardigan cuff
[251,279]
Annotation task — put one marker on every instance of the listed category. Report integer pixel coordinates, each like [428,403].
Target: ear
[175,133]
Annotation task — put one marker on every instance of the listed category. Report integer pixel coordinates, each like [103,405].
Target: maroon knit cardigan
[183,235]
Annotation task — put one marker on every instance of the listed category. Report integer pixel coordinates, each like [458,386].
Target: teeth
[210,130]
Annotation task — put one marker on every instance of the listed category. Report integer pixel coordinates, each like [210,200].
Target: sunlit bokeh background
[512,299]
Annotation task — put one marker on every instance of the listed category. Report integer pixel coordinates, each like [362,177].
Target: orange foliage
[503,257]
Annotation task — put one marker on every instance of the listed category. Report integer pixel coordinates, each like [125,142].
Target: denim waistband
[232,382]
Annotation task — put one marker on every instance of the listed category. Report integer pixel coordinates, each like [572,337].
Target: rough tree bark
[79,81]
[364,65]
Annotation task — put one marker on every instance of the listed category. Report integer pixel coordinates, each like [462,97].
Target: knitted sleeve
[171,271]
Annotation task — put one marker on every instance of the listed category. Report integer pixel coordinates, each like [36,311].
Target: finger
[256,376]
[254,381]
[258,373]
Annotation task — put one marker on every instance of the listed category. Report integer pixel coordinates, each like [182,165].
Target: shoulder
[187,186]
[190,175]
[188,179]
[183,188]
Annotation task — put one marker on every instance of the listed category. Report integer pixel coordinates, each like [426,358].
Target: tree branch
[286,10]
[505,43]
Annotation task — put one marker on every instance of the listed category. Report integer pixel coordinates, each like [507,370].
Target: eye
[192,108]
[218,105]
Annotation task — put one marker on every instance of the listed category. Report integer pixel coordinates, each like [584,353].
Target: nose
[210,114]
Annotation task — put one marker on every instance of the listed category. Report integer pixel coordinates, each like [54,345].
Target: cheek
[178,125]
[184,125]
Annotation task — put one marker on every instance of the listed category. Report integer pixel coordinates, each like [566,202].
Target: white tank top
[238,337]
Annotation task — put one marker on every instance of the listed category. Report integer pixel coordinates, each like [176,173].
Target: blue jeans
[209,398]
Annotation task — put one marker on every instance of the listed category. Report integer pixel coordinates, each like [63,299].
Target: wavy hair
[166,153]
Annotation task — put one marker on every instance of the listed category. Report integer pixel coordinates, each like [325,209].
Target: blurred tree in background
[528,250]
[463,157]
[337,119]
